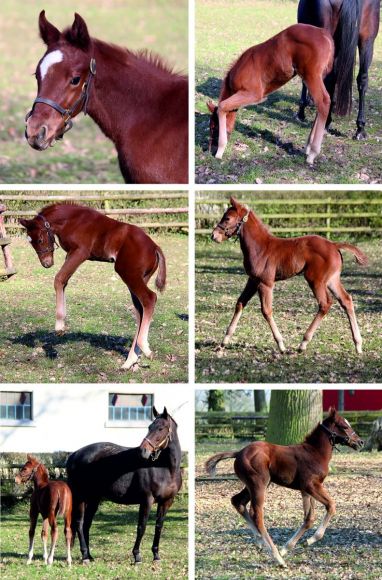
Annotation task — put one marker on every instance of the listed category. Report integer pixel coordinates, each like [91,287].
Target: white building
[65,417]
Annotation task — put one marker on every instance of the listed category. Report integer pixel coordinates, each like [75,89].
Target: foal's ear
[31,457]
[78,34]
[155,412]
[211,106]
[49,33]
[25,223]
[332,411]
[233,201]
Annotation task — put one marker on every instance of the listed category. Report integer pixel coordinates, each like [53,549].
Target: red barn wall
[355,400]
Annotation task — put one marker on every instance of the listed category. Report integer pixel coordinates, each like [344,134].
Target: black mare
[141,475]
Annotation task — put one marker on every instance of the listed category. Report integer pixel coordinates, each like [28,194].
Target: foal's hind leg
[266,298]
[53,535]
[257,514]
[346,302]
[308,506]
[321,98]
[248,292]
[239,502]
[324,303]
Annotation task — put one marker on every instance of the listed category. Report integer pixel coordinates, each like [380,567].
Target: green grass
[100,323]
[111,539]
[85,155]
[268,142]
[351,547]
[252,355]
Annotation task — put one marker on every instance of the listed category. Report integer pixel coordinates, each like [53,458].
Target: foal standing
[268,259]
[49,498]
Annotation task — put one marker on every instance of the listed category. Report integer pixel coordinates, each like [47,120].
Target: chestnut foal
[301,467]
[268,259]
[49,498]
[302,50]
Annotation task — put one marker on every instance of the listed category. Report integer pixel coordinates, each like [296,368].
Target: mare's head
[159,435]
[41,237]
[27,472]
[64,75]
[214,128]
[230,224]
[341,431]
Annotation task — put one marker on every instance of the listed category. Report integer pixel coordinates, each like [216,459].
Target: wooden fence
[175,207]
[209,210]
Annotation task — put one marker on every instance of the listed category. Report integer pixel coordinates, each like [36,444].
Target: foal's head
[63,75]
[230,224]
[341,430]
[159,435]
[28,471]
[41,237]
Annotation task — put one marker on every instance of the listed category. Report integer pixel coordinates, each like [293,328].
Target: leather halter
[234,230]
[336,438]
[157,449]
[51,238]
[81,102]
[31,475]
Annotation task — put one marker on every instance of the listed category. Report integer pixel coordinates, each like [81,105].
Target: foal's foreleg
[320,494]
[266,299]
[33,515]
[72,262]
[248,292]
[308,506]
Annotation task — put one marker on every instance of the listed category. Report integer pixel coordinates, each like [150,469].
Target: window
[16,406]
[130,408]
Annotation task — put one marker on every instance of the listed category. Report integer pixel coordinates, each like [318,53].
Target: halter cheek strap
[156,449]
[336,438]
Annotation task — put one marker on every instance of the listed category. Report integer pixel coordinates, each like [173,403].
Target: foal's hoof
[283,551]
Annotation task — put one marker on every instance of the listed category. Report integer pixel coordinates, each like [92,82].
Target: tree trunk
[260,401]
[292,415]
[215,400]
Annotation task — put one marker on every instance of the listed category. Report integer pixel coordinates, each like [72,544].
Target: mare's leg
[266,298]
[90,511]
[53,534]
[248,292]
[33,515]
[68,537]
[239,99]
[239,502]
[72,262]
[321,99]
[324,303]
[144,512]
[44,537]
[304,102]
[319,493]
[346,303]
[308,506]
[365,47]
[163,508]
[79,526]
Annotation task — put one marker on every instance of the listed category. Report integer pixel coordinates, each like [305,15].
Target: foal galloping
[49,498]
[268,259]
[262,69]
[302,467]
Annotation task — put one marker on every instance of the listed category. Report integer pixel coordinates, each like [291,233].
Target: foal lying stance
[262,69]
[48,499]
[86,234]
[268,259]
[302,467]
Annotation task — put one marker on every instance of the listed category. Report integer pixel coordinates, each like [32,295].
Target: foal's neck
[41,477]
[254,233]
[320,441]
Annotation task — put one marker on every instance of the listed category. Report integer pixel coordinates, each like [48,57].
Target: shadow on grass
[50,341]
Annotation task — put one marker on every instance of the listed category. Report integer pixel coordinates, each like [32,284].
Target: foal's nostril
[42,133]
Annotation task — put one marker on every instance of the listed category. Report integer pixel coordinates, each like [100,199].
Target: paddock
[225,547]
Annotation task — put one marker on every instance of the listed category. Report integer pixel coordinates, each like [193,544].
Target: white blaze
[51,58]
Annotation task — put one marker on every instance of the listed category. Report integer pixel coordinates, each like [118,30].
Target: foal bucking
[86,234]
[302,467]
[49,498]
[268,259]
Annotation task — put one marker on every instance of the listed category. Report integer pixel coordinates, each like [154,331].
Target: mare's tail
[346,40]
[210,464]
[160,281]
[361,258]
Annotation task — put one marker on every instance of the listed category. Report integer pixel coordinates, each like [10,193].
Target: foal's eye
[75,81]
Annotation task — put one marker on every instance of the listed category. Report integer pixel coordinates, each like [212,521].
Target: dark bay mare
[136,100]
[268,259]
[86,234]
[302,467]
[351,23]
[301,50]
[49,498]
[141,475]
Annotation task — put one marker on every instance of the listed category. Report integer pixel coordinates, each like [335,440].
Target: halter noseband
[51,238]
[336,438]
[157,449]
[67,114]
[234,230]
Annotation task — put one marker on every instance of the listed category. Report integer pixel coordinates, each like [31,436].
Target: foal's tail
[211,463]
[361,258]
[160,281]
[346,40]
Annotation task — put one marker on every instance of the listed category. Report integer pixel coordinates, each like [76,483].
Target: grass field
[100,326]
[350,549]
[112,537]
[268,143]
[252,355]
[85,155]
